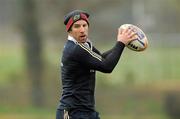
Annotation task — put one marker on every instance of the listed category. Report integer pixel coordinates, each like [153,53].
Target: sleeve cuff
[119,43]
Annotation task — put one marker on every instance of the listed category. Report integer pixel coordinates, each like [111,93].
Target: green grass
[9,112]
[51,116]
[12,63]
[39,113]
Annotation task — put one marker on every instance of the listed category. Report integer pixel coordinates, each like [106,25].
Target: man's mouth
[83,36]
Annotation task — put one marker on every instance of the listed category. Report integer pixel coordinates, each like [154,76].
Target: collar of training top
[74,16]
[88,41]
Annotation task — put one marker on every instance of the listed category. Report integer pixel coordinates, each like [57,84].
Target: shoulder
[72,49]
[83,51]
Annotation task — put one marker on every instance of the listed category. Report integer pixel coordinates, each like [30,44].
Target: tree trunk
[33,50]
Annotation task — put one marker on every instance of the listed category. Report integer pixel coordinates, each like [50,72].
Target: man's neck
[72,39]
[75,41]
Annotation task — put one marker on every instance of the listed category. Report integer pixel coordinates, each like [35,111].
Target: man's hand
[126,35]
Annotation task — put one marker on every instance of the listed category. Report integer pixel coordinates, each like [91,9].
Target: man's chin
[83,40]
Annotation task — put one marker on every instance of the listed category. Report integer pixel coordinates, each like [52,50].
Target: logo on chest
[92,71]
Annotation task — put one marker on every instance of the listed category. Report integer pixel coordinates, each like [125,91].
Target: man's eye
[84,25]
[76,26]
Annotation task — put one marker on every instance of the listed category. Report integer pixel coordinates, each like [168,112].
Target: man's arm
[103,54]
[92,60]
[124,36]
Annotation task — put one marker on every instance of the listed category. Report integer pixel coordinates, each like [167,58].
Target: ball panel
[135,45]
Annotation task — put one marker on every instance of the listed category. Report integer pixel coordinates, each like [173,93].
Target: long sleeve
[95,61]
[102,54]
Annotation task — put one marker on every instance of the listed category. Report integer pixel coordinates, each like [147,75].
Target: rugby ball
[140,42]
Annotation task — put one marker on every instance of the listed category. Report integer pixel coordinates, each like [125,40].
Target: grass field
[46,114]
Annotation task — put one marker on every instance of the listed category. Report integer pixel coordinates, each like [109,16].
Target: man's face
[79,31]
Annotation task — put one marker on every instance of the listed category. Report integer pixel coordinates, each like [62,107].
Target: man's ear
[70,32]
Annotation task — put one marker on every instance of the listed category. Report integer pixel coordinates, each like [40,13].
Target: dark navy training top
[78,65]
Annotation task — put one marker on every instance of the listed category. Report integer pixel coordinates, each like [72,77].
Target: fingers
[132,35]
[126,35]
[120,30]
[129,32]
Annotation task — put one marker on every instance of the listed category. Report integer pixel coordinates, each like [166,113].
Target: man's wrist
[120,42]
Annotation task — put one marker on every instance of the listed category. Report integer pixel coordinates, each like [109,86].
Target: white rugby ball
[140,43]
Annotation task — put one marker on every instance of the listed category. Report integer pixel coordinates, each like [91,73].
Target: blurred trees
[172,104]
[33,50]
